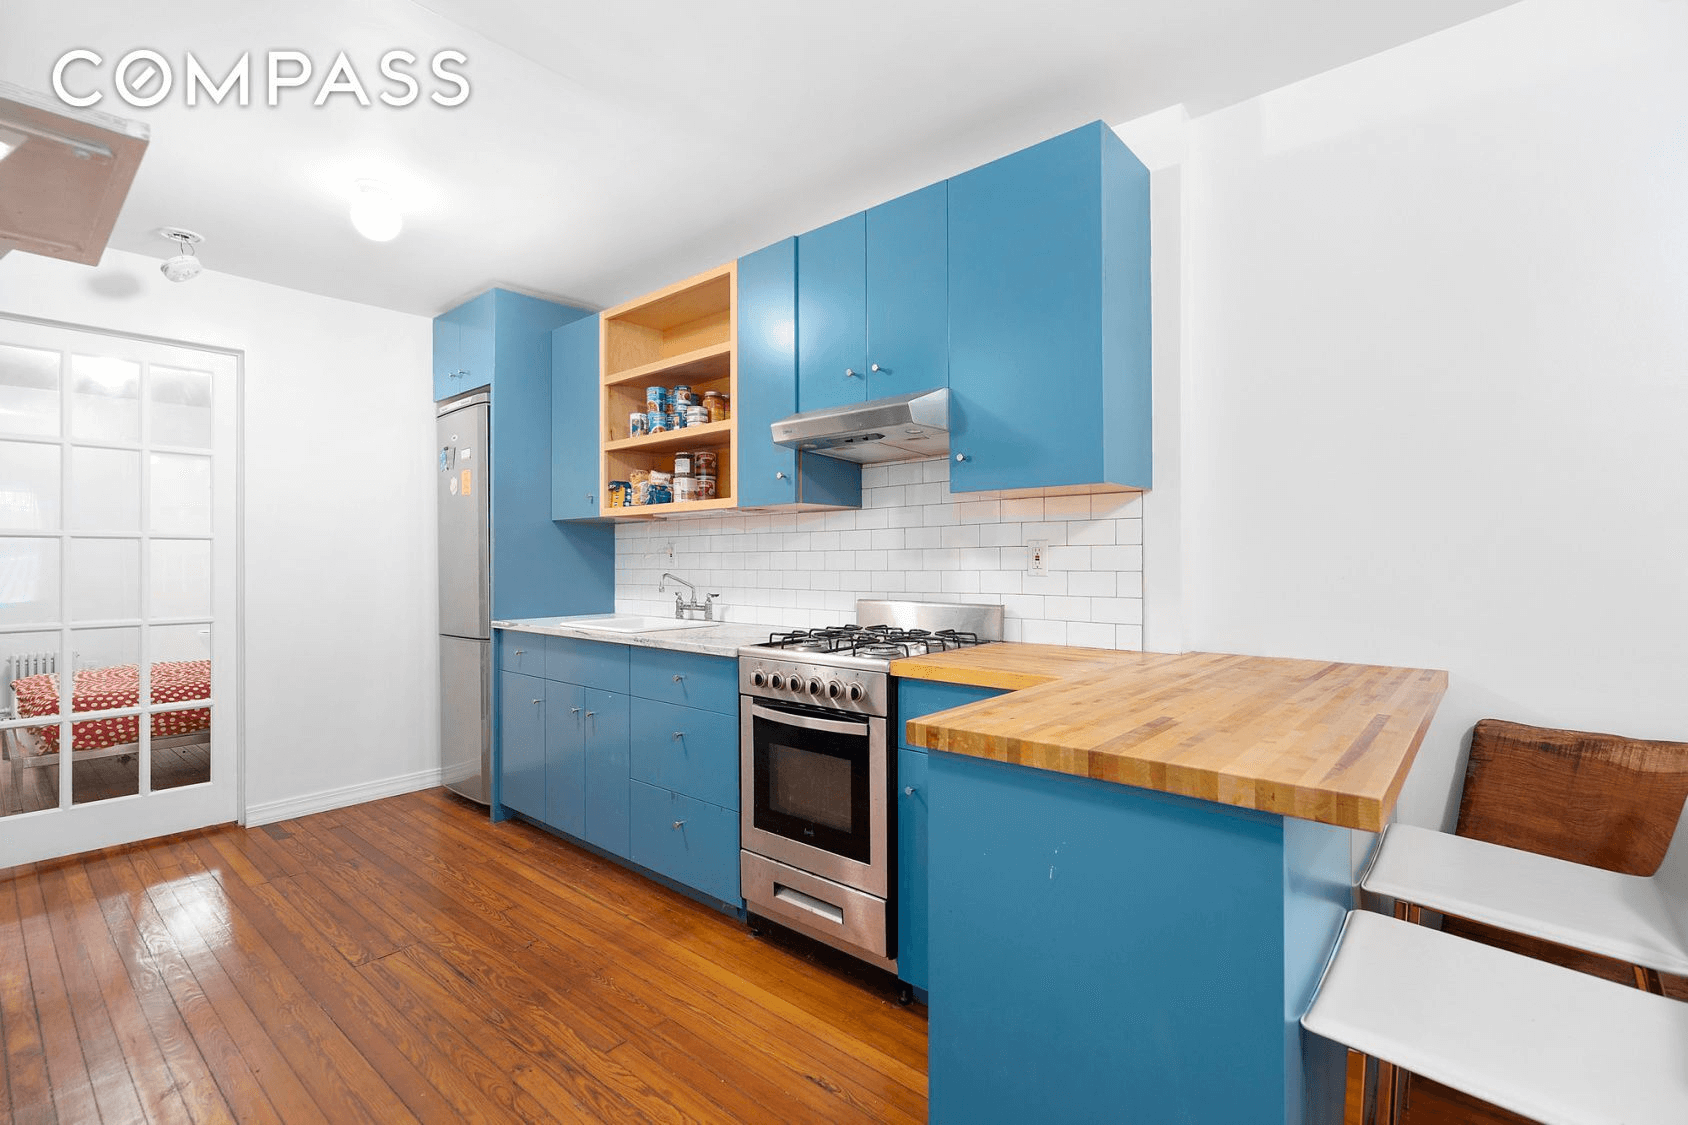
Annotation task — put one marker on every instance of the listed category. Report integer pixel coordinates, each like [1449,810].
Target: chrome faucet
[681,606]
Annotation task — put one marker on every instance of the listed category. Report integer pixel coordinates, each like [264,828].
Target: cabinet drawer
[687,678]
[521,652]
[592,664]
[917,698]
[912,908]
[690,841]
[689,750]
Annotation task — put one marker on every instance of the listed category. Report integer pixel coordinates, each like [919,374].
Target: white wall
[341,614]
[911,539]
[1440,356]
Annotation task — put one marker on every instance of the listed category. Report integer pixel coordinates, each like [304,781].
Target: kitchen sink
[625,623]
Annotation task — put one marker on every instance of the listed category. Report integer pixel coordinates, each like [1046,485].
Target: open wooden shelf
[682,335]
[708,363]
[677,508]
[708,436]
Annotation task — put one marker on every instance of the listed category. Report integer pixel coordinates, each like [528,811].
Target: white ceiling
[609,148]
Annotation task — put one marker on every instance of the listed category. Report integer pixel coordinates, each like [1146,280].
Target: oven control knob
[776,681]
[758,678]
[816,687]
[856,693]
[834,689]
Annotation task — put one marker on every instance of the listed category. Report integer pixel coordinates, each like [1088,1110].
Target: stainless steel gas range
[817,720]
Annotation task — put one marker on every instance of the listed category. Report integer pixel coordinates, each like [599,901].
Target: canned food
[638,423]
[682,464]
[676,419]
[716,405]
[704,462]
[683,396]
[696,415]
[656,422]
[685,487]
[705,487]
[621,494]
[656,400]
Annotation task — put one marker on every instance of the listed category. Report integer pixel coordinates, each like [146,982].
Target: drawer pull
[520,651]
[538,701]
[678,823]
[794,897]
[908,790]
[678,677]
[589,714]
[574,710]
[678,735]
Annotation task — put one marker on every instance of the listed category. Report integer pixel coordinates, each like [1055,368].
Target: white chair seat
[1556,1045]
[1630,917]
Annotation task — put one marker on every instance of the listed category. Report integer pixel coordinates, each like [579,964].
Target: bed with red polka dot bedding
[113,688]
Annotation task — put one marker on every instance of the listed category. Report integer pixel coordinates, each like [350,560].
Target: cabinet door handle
[538,701]
[779,476]
[678,678]
[589,714]
[908,790]
[678,823]
[961,456]
[849,373]
[876,367]
[678,735]
[574,710]
[520,651]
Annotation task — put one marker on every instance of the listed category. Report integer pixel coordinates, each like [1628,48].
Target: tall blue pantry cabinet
[503,341]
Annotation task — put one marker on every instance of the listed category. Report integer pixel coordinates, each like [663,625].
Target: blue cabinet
[464,348]
[574,420]
[872,303]
[769,475]
[832,315]
[690,841]
[521,741]
[597,664]
[908,293]
[565,758]
[521,652]
[911,867]
[1049,317]
[688,678]
[691,751]
[915,699]
[607,761]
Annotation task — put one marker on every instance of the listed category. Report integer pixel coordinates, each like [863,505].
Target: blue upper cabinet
[872,303]
[832,315]
[771,475]
[464,346]
[908,294]
[574,420]
[1049,317]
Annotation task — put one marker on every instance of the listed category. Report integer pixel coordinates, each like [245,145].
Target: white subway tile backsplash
[911,538]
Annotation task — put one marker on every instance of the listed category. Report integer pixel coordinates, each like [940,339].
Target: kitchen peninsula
[1138,864]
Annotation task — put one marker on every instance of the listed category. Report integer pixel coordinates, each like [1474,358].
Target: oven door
[815,792]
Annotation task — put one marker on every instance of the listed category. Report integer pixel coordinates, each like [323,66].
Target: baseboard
[327,799]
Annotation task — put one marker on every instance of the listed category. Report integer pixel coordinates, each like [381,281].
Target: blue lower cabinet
[911,867]
[688,678]
[692,842]
[606,751]
[593,664]
[521,652]
[687,750]
[565,757]
[918,698]
[521,743]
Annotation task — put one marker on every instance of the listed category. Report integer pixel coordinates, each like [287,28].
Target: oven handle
[832,726]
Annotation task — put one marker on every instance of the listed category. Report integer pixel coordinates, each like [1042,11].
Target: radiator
[19,665]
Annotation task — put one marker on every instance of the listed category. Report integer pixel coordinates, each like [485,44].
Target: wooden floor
[32,788]
[406,961]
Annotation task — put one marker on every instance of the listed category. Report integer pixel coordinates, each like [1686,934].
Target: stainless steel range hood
[64,174]
[900,428]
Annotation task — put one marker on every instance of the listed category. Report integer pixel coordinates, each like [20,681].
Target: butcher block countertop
[1304,738]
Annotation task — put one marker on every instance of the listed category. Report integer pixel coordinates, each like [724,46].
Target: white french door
[118,589]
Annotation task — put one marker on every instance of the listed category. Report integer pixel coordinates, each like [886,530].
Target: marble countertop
[722,639]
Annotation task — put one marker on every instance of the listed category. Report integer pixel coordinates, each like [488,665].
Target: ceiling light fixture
[185,265]
[374,213]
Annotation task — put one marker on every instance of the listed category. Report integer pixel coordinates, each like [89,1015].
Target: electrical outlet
[1037,556]
[669,548]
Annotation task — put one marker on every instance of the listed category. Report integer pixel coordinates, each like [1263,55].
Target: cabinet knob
[590,497]
[678,677]
[678,735]
[538,701]
[779,476]
[520,651]
[574,710]
[849,373]
[589,714]
[875,367]
[678,823]
[961,456]
[908,790]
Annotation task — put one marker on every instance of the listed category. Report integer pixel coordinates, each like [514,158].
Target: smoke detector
[185,265]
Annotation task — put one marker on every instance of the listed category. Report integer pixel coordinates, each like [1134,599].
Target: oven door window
[811,786]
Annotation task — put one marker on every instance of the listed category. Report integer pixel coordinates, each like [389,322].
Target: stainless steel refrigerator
[465,597]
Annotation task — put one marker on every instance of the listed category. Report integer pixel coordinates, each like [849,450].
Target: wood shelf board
[695,298]
[708,363]
[702,437]
[678,508]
